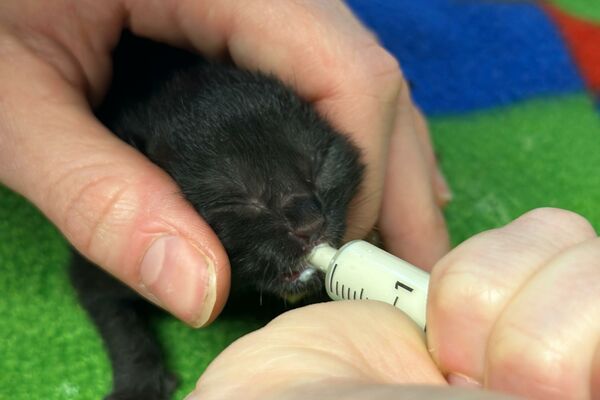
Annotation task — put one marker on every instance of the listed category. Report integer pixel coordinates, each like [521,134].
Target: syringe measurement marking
[337,288]
[331,278]
[398,283]
[403,286]
[346,292]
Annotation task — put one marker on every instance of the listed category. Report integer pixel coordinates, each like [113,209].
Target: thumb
[117,208]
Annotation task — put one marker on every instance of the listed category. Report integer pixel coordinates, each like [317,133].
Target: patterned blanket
[511,90]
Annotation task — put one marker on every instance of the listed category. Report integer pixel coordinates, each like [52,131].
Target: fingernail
[443,189]
[180,278]
[456,379]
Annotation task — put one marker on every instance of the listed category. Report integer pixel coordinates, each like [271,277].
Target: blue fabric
[464,55]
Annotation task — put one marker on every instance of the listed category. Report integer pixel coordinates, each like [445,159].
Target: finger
[595,380]
[112,204]
[323,343]
[411,222]
[543,344]
[374,391]
[441,190]
[472,285]
[350,78]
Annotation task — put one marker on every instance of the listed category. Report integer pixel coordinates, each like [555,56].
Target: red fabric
[583,39]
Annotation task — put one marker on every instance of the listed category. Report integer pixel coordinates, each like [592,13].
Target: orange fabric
[583,39]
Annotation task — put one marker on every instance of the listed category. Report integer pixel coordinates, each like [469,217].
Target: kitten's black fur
[270,176]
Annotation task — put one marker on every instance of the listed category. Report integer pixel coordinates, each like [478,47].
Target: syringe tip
[321,256]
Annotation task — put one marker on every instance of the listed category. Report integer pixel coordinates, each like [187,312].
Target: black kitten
[270,176]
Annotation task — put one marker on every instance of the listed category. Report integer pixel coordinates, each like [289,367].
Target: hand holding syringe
[498,305]
[359,270]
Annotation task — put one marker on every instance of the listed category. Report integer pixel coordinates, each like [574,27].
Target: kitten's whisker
[262,279]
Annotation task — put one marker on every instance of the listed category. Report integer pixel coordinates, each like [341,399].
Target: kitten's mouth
[296,285]
[300,276]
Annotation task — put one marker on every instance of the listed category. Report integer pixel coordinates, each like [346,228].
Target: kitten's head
[270,176]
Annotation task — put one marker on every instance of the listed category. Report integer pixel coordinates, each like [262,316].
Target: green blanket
[543,150]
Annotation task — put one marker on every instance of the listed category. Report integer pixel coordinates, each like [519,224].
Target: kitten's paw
[159,388]
[135,396]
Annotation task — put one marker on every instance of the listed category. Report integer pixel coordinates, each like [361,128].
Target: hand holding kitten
[121,211]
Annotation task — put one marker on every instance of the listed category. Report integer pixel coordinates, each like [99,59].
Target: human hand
[121,211]
[514,307]
[517,308]
[338,350]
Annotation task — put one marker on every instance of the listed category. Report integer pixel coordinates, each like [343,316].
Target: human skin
[122,212]
[512,310]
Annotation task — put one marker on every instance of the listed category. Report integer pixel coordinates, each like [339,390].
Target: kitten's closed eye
[270,176]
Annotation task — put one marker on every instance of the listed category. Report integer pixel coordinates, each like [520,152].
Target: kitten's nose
[305,216]
[311,230]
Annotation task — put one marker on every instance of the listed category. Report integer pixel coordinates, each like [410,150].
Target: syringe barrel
[360,270]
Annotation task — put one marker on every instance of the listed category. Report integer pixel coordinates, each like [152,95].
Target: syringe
[359,270]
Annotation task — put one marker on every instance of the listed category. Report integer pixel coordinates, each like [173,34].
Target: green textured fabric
[503,162]
[586,9]
[48,348]
[500,163]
